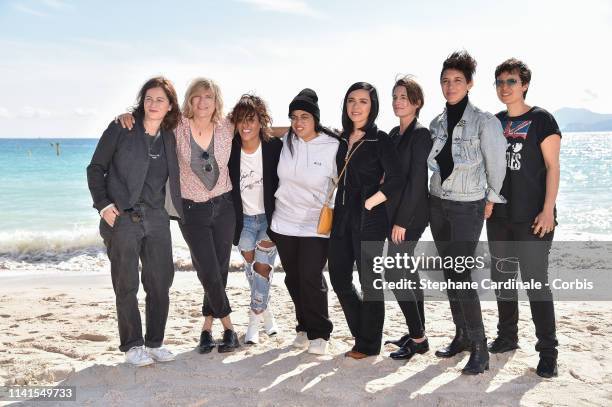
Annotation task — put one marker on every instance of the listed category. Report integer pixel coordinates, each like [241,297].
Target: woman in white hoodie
[306,169]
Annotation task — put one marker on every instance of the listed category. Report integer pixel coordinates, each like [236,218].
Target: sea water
[46,210]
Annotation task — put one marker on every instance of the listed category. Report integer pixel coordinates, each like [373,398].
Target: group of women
[228,181]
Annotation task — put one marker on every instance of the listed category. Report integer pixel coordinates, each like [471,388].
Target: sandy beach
[59,328]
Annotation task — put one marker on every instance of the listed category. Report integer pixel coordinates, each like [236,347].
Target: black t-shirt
[153,192]
[525,183]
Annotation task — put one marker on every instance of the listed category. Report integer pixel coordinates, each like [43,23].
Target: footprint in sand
[4,316]
[93,337]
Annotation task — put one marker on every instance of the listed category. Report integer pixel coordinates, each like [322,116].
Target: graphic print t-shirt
[525,182]
[251,182]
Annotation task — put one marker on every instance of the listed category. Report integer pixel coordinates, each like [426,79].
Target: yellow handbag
[326,216]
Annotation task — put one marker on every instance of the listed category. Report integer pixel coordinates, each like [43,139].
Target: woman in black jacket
[409,211]
[360,215]
[252,168]
[127,180]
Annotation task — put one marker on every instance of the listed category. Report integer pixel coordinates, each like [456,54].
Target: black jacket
[375,157]
[410,209]
[270,151]
[119,167]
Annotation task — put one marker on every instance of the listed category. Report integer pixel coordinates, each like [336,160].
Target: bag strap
[336,181]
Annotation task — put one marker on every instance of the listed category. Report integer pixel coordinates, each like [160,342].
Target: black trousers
[410,301]
[208,229]
[364,312]
[514,247]
[143,234]
[456,228]
[303,259]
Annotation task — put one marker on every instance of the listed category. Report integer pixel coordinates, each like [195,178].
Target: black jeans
[410,301]
[365,314]
[303,259]
[208,229]
[143,234]
[513,246]
[456,228]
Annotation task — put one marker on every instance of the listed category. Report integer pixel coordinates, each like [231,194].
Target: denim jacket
[479,154]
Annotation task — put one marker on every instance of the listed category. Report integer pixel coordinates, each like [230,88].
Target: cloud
[56,4]
[589,95]
[4,113]
[28,10]
[285,6]
[30,112]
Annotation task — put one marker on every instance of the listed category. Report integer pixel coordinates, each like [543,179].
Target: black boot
[230,341]
[398,342]
[502,345]
[479,358]
[409,349]
[547,367]
[459,344]
[207,343]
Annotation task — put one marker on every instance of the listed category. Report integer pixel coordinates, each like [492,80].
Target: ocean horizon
[47,213]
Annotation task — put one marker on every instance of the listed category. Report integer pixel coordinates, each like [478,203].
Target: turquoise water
[45,204]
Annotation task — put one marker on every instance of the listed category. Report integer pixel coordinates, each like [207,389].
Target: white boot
[269,322]
[252,333]
[137,356]
[301,340]
[318,346]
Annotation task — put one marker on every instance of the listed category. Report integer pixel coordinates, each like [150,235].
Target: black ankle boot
[459,344]
[547,367]
[479,358]
[230,342]
[409,349]
[207,343]
[502,345]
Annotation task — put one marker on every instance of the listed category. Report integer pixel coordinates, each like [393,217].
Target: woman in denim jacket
[252,168]
[468,164]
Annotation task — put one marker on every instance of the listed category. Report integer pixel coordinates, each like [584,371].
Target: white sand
[59,328]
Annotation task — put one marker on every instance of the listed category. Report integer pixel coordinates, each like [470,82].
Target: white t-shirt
[251,182]
[304,180]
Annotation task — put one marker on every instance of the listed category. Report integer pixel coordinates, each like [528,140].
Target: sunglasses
[509,82]
[206,157]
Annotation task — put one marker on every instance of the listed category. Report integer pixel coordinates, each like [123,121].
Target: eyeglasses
[509,82]
[206,157]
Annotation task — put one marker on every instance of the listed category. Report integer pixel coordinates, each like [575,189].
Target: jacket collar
[371,134]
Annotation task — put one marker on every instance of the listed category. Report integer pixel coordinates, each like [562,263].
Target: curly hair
[171,118]
[247,108]
[461,61]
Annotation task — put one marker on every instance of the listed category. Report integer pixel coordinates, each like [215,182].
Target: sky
[68,67]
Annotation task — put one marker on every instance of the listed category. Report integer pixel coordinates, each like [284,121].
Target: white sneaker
[161,354]
[252,333]
[269,322]
[318,346]
[137,356]
[301,340]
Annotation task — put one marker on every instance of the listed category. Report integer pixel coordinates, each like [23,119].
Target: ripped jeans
[253,233]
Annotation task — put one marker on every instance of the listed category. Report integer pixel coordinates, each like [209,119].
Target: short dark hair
[249,106]
[413,90]
[517,66]
[461,61]
[347,123]
[172,117]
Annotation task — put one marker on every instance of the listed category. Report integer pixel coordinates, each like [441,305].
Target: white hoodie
[304,180]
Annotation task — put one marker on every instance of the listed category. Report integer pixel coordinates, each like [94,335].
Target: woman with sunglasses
[252,169]
[127,178]
[360,224]
[204,142]
[306,169]
[523,228]
[467,161]
[409,211]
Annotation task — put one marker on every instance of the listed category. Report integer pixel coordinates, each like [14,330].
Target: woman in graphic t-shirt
[252,168]
[523,229]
